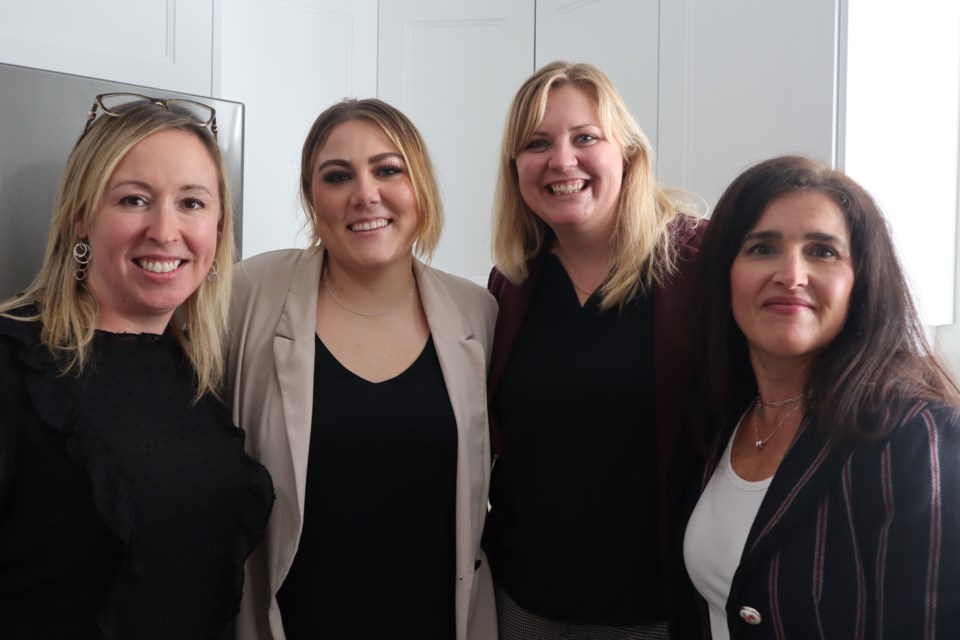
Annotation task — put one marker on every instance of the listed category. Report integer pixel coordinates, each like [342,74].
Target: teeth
[368,226]
[568,187]
[160,266]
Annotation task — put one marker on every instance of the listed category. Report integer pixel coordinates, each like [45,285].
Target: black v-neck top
[576,407]
[376,557]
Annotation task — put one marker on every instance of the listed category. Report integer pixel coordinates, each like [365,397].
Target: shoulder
[929,425]
[19,333]
[272,265]
[460,288]
[924,440]
[270,275]
[687,232]
[464,297]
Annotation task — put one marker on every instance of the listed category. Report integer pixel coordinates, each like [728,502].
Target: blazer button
[750,615]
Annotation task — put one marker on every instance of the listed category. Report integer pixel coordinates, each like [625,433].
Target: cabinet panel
[742,81]
[156,43]
[288,61]
[621,37]
[453,67]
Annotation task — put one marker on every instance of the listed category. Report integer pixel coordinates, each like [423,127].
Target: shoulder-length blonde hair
[66,308]
[406,138]
[643,251]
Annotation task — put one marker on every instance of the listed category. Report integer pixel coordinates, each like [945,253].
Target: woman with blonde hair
[591,253]
[127,503]
[360,373]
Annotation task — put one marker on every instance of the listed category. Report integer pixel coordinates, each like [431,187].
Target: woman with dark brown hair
[823,507]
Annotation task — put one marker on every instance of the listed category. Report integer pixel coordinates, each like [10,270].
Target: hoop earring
[81,259]
[214,275]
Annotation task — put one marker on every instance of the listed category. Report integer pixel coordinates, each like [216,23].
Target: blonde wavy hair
[66,308]
[643,245]
[406,138]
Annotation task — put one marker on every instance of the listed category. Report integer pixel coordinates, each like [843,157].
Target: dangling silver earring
[214,275]
[81,259]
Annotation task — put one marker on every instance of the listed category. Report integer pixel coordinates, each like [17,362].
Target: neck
[779,378]
[585,263]
[369,293]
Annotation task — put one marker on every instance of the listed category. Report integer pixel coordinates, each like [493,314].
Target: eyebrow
[380,157]
[812,235]
[576,127]
[146,186]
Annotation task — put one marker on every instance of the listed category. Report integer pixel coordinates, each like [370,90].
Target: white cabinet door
[741,81]
[621,37]
[157,43]
[287,61]
[453,68]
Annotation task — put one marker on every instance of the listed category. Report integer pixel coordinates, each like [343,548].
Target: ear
[80,228]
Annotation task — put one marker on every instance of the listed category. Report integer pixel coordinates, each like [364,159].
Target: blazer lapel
[463,363]
[293,352]
[804,475]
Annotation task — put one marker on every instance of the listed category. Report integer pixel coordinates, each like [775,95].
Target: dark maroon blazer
[668,303]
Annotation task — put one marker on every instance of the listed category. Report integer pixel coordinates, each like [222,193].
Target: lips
[786,304]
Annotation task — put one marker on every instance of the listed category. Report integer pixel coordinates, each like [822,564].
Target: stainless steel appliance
[42,113]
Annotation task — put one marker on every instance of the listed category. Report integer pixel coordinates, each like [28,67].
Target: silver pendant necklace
[756,423]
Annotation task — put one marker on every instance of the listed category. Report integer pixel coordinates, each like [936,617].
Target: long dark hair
[879,363]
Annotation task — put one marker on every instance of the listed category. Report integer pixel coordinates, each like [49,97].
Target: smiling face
[569,172]
[364,206]
[792,279]
[154,234]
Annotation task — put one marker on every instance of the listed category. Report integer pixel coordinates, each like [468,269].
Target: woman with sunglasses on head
[127,503]
[825,501]
[360,375]
[590,255]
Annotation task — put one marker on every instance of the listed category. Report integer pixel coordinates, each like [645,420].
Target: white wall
[732,83]
[287,61]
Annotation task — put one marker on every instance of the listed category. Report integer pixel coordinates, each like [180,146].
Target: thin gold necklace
[570,277]
[329,290]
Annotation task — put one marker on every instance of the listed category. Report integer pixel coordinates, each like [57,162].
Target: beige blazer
[270,385]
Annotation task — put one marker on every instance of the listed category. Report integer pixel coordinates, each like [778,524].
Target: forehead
[571,101]
[804,212]
[356,138]
[169,152]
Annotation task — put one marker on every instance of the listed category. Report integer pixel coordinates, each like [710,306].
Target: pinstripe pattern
[860,578]
[800,486]
[776,618]
[861,544]
[883,542]
[936,511]
[820,545]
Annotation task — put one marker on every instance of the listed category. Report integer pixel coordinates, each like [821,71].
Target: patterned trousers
[516,623]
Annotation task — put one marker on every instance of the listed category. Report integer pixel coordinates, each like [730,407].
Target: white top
[716,534]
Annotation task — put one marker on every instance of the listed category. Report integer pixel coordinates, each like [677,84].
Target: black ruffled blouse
[126,509]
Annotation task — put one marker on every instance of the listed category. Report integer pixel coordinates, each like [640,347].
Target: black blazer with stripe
[848,545]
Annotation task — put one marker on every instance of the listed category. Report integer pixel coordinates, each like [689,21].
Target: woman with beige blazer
[359,375]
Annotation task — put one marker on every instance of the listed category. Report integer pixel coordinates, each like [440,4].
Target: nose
[562,156]
[366,193]
[791,270]
[164,225]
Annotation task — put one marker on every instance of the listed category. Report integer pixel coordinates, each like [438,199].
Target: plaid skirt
[516,623]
